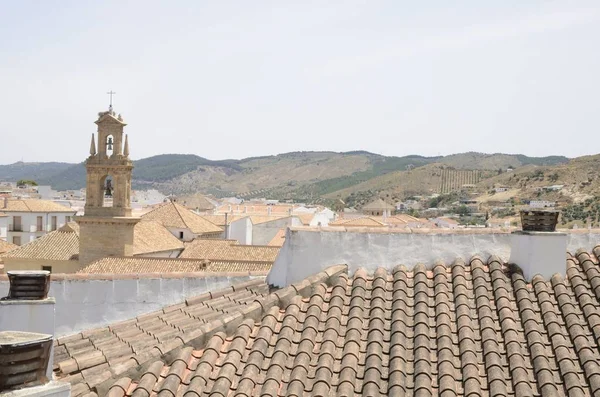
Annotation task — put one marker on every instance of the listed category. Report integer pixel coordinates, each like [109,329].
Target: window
[48,268]
[17,226]
[17,240]
[181,235]
[53,226]
[40,224]
[67,219]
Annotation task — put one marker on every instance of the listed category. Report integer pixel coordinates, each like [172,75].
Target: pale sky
[233,79]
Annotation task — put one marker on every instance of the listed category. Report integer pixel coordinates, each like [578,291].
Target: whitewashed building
[28,219]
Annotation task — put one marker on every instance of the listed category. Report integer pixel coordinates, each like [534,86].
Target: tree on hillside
[26,182]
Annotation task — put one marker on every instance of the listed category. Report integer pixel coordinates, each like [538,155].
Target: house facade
[28,219]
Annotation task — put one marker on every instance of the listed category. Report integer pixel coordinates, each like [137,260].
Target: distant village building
[542,203]
[182,222]
[378,208]
[196,202]
[25,220]
[500,189]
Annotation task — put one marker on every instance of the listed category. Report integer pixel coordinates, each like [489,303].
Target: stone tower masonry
[106,228]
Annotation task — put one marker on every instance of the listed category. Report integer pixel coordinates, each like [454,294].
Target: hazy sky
[232,79]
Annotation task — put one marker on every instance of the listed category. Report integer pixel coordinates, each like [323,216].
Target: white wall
[263,233]
[320,219]
[241,230]
[307,252]
[29,224]
[88,303]
[3,227]
[187,234]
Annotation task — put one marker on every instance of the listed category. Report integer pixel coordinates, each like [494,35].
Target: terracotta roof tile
[278,239]
[219,219]
[365,221]
[33,205]
[173,215]
[90,358]
[63,244]
[144,265]
[378,204]
[150,236]
[5,246]
[123,264]
[213,249]
[59,245]
[476,329]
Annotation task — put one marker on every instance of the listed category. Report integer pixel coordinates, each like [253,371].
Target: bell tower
[106,228]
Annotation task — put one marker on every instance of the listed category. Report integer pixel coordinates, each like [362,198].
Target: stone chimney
[538,248]
[27,322]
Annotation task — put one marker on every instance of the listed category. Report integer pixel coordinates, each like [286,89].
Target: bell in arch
[108,189]
[109,143]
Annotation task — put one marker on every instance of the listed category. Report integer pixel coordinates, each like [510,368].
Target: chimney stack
[27,319]
[538,248]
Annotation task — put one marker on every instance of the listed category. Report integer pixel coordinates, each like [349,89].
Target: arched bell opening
[107,189]
[110,144]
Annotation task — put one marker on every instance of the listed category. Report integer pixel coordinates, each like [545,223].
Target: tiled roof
[128,264]
[223,266]
[144,265]
[213,249]
[477,329]
[378,204]
[59,245]
[88,358]
[196,201]
[279,239]
[5,246]
[63,244]
[305,218]
[151,236]
[176,216]
[365,221]
[256,209]
[31,205]
[219,219]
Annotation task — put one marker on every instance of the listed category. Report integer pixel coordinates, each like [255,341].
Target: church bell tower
[106,228]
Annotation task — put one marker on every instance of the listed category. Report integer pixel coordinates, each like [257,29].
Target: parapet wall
[86,301]
[308,251]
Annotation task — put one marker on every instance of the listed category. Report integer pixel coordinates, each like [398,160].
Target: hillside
[304,176]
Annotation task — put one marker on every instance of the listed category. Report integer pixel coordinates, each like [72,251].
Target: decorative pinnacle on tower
[126,148]
[93,146]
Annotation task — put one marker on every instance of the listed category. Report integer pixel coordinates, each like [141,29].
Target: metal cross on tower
[111,93]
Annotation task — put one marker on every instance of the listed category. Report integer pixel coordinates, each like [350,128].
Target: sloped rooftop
[213,249]
[137,264]
[33,205]
[173,215]
[5,246]
[88,358]
[470,329]
[378,204]
[63,244]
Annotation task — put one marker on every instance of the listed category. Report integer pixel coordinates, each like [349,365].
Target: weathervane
[111,93]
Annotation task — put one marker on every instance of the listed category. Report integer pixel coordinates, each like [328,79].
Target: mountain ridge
[302,175]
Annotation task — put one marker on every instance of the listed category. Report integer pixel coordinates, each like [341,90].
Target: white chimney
[538,248]
[27,310]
